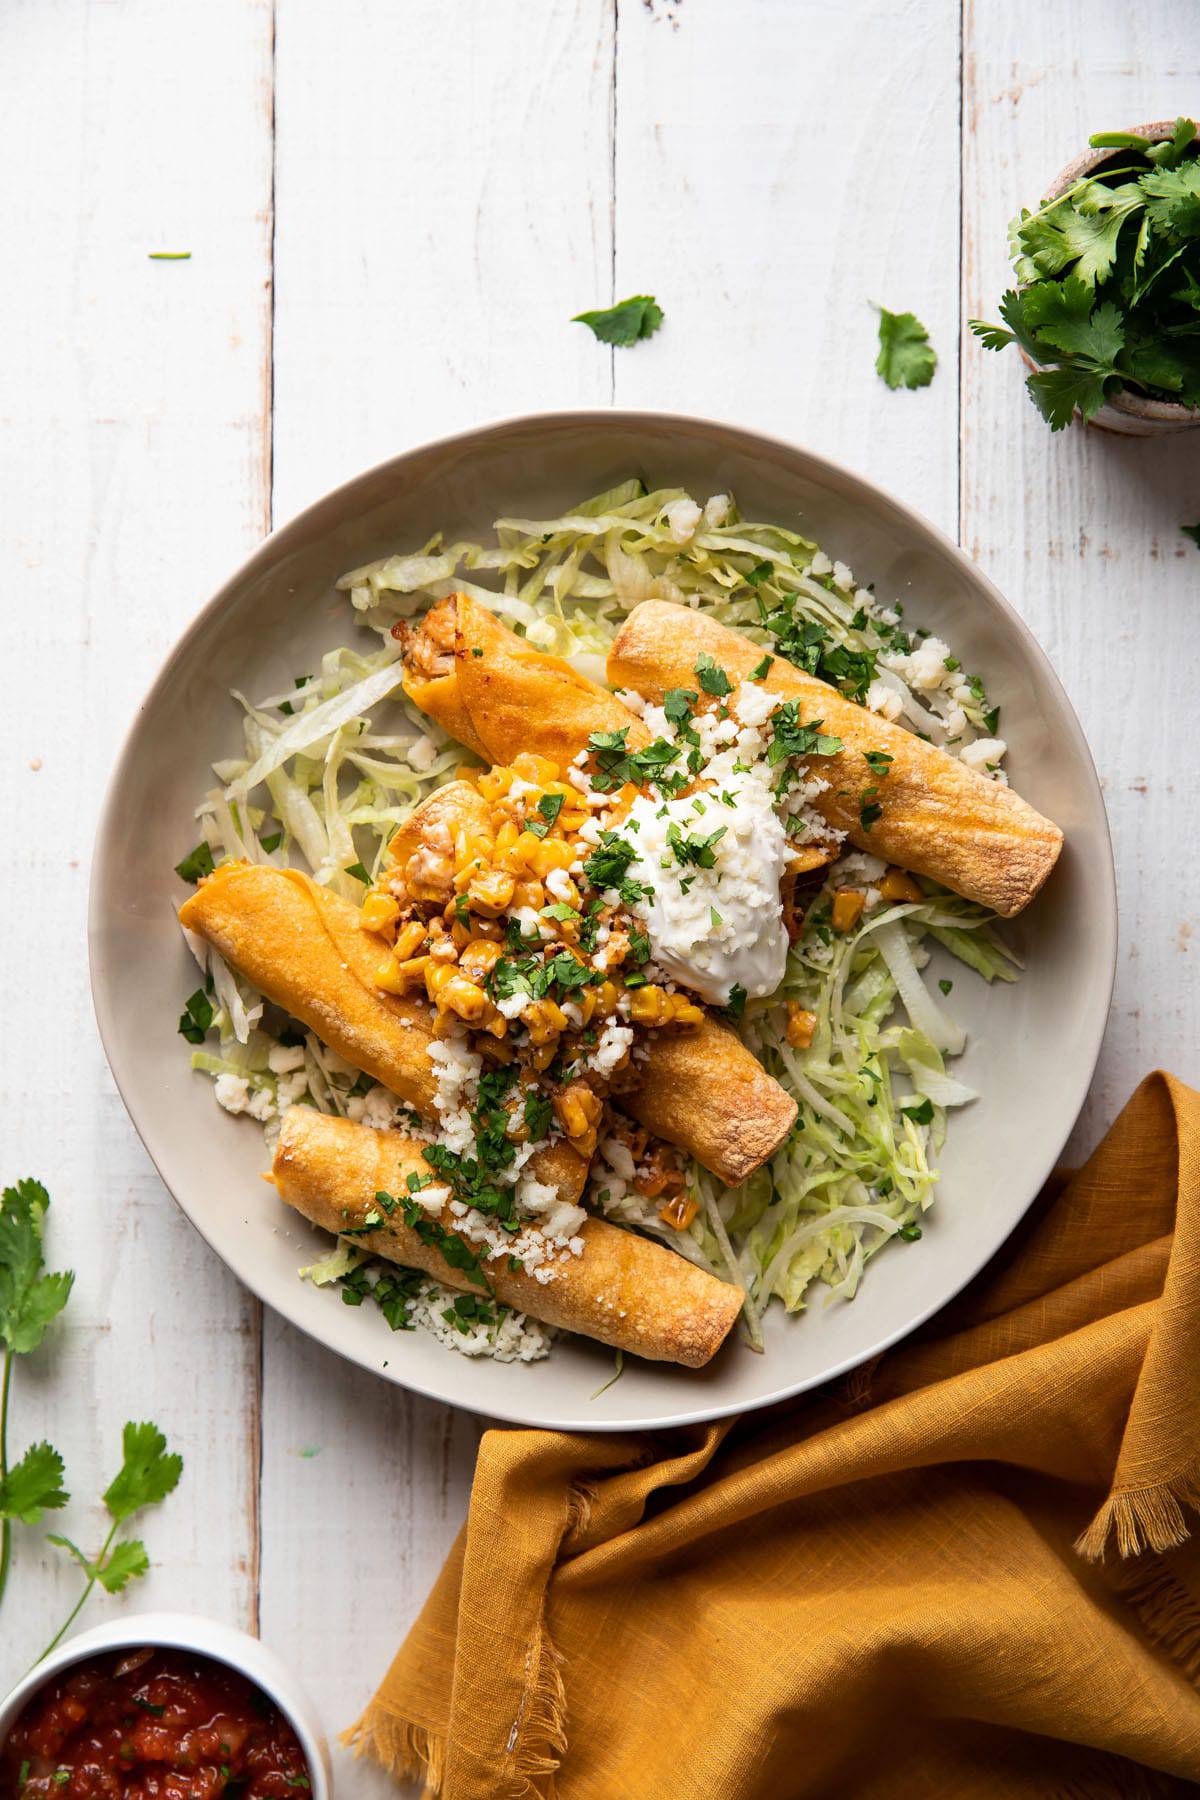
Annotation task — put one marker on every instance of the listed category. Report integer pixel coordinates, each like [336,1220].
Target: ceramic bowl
[182,1631]
[1032,1046]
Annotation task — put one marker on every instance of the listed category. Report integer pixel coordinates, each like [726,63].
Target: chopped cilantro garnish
[695,849]
[790,738]
[712,676]
[197,863]
[537,1114]
[870,810]
[359,873]
[919,1111]
[760,669]
[945,984]
[735,1006]
[273,842]
[539,827]
[909,1233]
[560,911]
[196,1017]
[878,761]
[678,704]
[762,571]
[550,805]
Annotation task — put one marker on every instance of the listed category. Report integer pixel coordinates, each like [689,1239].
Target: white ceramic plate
[1032,1047]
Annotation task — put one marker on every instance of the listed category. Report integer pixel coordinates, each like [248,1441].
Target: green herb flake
[906,357]
[735,1006]
[1193,532]
[760,669]
[272,842]
[919,1111]
[946,985]
[712,676]
[878,761]
[550,805]
[625,323]
[196,864]
[359,873]
[196,1018]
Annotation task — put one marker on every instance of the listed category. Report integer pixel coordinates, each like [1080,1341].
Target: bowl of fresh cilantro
[1106,310]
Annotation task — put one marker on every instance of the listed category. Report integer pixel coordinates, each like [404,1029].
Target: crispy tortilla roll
[497,695]
[700,1088]
[302,947]
[940,818]
[623,1290]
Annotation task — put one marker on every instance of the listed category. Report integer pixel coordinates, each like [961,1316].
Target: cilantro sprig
[1109,281]
[789,737]
[30,1299]
[148,1473]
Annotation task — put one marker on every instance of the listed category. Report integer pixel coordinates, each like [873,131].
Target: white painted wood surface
[393,207]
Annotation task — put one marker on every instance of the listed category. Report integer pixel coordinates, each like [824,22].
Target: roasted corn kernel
[800,1025]
[898,884]
[848,904]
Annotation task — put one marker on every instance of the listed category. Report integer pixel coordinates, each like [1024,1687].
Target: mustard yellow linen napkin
[962,1572]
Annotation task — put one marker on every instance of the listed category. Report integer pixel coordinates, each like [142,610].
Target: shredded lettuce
[327,775]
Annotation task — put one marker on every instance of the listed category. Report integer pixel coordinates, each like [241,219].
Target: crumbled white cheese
[842,577]
[716,509]
[232,1092]
[283,1058]
[511,1337]
[616,1041]
[923,667]
[820,565]
[682,518]
[754,704]
[558,884]
[884,700]
[982,752]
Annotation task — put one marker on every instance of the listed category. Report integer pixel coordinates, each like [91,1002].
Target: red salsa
[152,1725]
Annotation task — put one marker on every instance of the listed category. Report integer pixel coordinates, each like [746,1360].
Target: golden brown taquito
[624,1290]
[939,818]
[498,695]
[304,949]
[700,1088]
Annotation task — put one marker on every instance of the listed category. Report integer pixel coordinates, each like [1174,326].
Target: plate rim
[581,418]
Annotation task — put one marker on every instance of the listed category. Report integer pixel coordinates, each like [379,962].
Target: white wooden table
[393,208]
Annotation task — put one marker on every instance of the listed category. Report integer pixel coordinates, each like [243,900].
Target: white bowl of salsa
[162,1692]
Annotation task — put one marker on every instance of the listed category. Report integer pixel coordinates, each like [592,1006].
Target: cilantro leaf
[623,324]
[113,1569]
[906,357]
[359,873]
[197,863]
[1058,393]
[126,1562]
[29,1300]
[678,704]
[790,738]
[1193,532]
[919,1111]
[735,1006]
[712,676]
[147,1475]
[196,1017]
[33,1486]
[550,805]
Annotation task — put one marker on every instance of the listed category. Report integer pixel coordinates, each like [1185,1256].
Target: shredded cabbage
[327,773]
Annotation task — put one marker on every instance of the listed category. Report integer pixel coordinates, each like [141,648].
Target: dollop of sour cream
[719,928]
